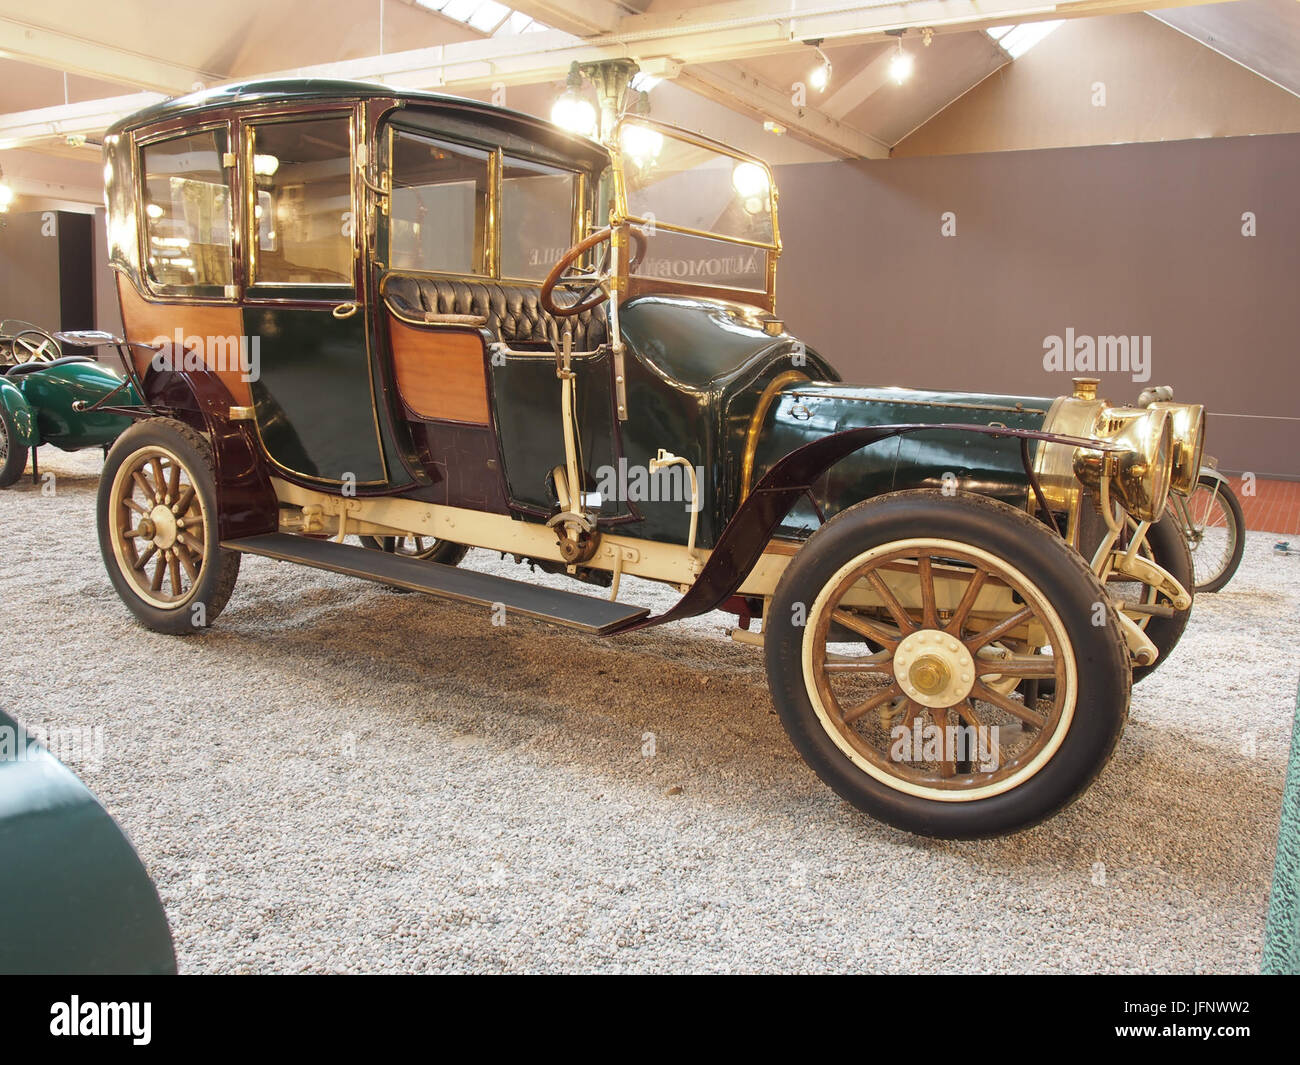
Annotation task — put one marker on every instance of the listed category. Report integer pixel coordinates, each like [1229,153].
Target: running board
[583,612]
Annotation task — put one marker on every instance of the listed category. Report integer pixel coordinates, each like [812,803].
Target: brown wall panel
[1137,240]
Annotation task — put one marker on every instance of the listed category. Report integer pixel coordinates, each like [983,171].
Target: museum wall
[1144,241]
[1114,80]
[29,268]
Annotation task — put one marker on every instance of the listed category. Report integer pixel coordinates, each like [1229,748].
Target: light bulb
[575,114]
[820,77]
[640,143]
[749,180]
[265,165]
[900,66]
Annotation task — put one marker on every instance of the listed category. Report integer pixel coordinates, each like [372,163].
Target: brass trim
[756,425]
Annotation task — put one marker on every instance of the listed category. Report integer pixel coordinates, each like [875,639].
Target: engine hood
[973,462]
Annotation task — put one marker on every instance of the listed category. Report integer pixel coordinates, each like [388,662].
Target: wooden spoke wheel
[158,527]
[429,548]
[898,646]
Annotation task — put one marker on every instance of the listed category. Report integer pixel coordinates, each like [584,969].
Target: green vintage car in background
[47,397]
[356,311]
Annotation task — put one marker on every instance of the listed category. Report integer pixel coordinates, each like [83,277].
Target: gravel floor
[337,777]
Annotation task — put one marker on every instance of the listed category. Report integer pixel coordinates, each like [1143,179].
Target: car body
[81,899]
[350,311]
[47,397]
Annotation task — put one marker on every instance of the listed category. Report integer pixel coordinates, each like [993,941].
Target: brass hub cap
[934,668]
[163,523]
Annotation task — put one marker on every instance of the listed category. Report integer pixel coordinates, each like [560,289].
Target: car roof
[305,90]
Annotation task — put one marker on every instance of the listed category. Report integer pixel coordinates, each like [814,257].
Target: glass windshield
[708,216]
[675,181]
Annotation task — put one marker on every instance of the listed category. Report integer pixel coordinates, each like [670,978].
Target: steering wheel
[34,345]
[593,282]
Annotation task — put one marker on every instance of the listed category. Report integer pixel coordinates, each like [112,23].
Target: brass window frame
[155,289]
[254,289]
[496,157]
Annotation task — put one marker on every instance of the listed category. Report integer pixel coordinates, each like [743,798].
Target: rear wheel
[428,548]
[895,643]
[157,512]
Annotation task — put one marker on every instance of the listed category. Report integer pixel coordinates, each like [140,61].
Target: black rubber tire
[220,568]
[16,456]
[1235,517]
[1169,549]
[1100,653]
[443,551]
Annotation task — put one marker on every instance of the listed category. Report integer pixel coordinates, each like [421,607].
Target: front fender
[751,528]
[20,411]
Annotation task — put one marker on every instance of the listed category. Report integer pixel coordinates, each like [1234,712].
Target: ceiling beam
[738,88]
[582,18]
[71,54]
[713,34]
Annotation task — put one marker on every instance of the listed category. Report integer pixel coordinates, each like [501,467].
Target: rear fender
[20,411]
[247,504]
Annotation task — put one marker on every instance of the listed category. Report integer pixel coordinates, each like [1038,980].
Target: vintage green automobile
[47,397]
[78,898]
[439,324]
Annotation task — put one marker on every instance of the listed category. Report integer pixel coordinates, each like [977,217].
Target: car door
[312,391]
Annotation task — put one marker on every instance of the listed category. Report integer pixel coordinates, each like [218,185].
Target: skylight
[486,16]
[1017,40]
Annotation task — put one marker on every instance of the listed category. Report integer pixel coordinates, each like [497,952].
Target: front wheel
[896,643]
[157,514]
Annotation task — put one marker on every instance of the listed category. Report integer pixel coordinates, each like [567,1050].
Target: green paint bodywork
[1282,938]
[77,897]
[313,399]
[44,400]
[973,462]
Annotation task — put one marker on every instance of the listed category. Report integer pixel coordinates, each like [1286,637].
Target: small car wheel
[965,597]
[424,547]
[158,533]
[13,456]
[1217,537]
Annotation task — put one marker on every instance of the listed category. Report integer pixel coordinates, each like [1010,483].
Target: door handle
[345,310]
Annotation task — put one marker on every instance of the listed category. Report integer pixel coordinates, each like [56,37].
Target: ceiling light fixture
[572,111]
[900,65]
[820,75]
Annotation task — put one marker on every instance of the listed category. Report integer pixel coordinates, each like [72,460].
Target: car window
[438,210]
[186,193]
[302,173]
[537,205]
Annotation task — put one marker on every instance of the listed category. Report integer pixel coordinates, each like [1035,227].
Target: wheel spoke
[929,609]
[863,627]
[174,482]
[143,560]
[1019,666]
[143,482]
[947,765]
[174,568]
[187,560]
[895,608]
[138,507]
[967,602]
[184,498]
[883,662]
[159,572]
[881,697]
[159,477]
[1000,629]
[189,541]
[1017,710]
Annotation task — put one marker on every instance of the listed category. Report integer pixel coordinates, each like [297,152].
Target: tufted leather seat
[513,312]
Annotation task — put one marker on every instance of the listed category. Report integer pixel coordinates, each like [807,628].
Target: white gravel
[338,777]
